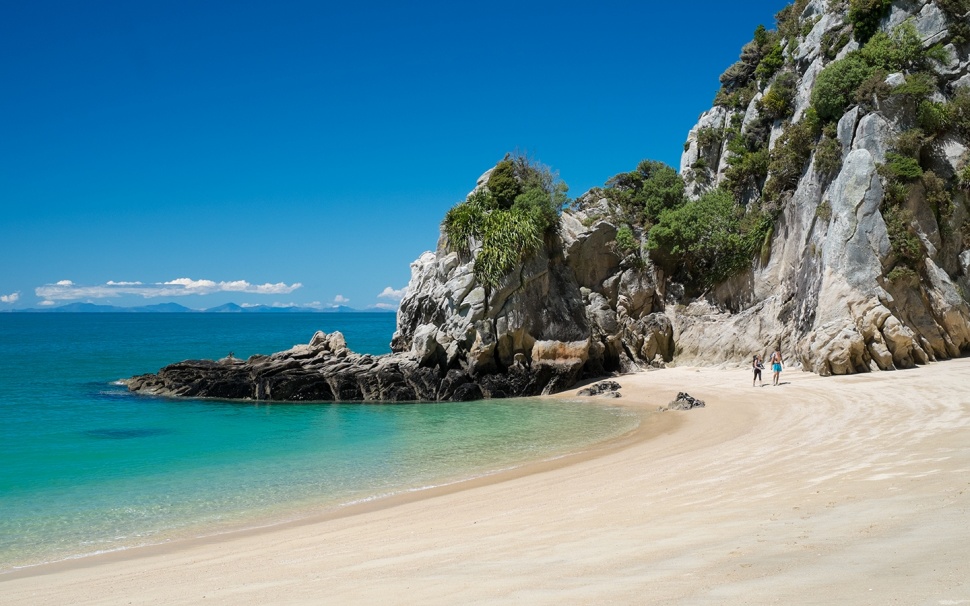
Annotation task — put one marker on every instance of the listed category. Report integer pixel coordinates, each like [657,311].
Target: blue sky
[305,152]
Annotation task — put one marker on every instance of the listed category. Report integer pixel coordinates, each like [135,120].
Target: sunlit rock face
[833,293]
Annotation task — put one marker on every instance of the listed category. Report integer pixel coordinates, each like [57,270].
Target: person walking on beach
[775,361]
[757,366]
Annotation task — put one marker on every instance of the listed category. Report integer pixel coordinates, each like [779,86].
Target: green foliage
[761,36]
[771,63]
[626,241]
[738,98]
[938,53]
[910,143]
[746,171]
[865,15]
[895,193]
[828,154]
[963,177]
[904,243]
[786,19]
[902,275]
[834,41]
[900,168]
[959,111]
[824,210]
[503,184]
[873,89]
[932,117]
[955,11]
[789,157]
[510,217]
[705,241]
[939,198]
[918,85]
[508,238]
[809,25]
[855,77]
[463,221]
[644,193]
[902,50]
[777,103]
[759,60]
[836,85]
[709,137]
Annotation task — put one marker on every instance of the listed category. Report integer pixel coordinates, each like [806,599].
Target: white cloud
[391,306]
[340,300]
[11,298]
[394,295]
[46,303]
[65,290]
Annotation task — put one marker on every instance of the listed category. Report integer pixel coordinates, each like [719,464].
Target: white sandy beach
[848,490]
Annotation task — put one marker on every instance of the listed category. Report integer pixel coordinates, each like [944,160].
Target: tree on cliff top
[509,218]
[644,193]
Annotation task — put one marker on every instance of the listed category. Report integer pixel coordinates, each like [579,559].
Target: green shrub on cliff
[959,112]
[901,168]
[787,19]
[746,171]
[790,156]
[511,221]
[902,240]
[777,103]
[626,240]
[865,15]
[828,154]
[842,82]
[836,85]
[644,193]
[707,240]
[902,49]
[955,11]
[770,63]
[933,117]
[503,183]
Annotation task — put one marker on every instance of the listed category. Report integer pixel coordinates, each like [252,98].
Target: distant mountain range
[170,308]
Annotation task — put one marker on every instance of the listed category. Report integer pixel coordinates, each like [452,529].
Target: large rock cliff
[843,135]
[867,270]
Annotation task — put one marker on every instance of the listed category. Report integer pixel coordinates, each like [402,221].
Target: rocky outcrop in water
[573,310]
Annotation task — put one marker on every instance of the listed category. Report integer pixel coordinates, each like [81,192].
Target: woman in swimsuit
[775,366]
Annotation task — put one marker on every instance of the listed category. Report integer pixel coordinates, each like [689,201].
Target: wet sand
[852,490]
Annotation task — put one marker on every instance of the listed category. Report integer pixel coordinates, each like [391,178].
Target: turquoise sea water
[88,467]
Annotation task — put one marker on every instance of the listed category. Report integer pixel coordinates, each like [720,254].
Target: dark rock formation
[608,389]
[685,401]
[324,370]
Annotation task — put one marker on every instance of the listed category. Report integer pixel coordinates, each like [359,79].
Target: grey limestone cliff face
[573,310]
[826,293]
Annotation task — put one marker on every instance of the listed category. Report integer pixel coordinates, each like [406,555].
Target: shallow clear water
[88,467]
